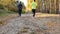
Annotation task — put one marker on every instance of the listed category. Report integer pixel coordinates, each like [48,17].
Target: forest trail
[26,24]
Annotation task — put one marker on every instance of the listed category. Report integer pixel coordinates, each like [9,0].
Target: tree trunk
[59,6]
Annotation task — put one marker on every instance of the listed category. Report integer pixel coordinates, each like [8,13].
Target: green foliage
[8,5]
[3,12]
[13,9]
[1,6]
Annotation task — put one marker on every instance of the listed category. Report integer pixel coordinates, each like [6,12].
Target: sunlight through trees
[48,6]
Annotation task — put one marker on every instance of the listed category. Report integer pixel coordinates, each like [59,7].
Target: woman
[34,5]
[20,6]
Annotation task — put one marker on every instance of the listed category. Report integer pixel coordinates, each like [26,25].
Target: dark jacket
[20,6]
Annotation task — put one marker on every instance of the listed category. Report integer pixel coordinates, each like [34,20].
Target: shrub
[1,6]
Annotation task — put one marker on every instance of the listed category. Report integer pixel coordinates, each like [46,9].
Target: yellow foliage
[5,2]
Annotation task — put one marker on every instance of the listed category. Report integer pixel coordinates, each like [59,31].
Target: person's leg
[19,12]
[33,10]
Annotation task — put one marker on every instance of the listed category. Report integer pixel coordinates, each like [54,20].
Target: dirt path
[32,25]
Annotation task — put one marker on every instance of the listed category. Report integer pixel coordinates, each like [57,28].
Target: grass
[6,13]
[3,15]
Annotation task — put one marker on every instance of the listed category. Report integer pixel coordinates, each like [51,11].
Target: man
[34,5]
[20,6]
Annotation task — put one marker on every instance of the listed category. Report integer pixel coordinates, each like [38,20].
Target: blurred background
[44,6]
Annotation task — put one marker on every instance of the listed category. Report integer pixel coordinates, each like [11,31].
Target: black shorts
[19,11]
[33,10]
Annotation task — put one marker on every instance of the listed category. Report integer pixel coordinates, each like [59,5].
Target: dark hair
[34,0]
[17,1]
[20,1]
